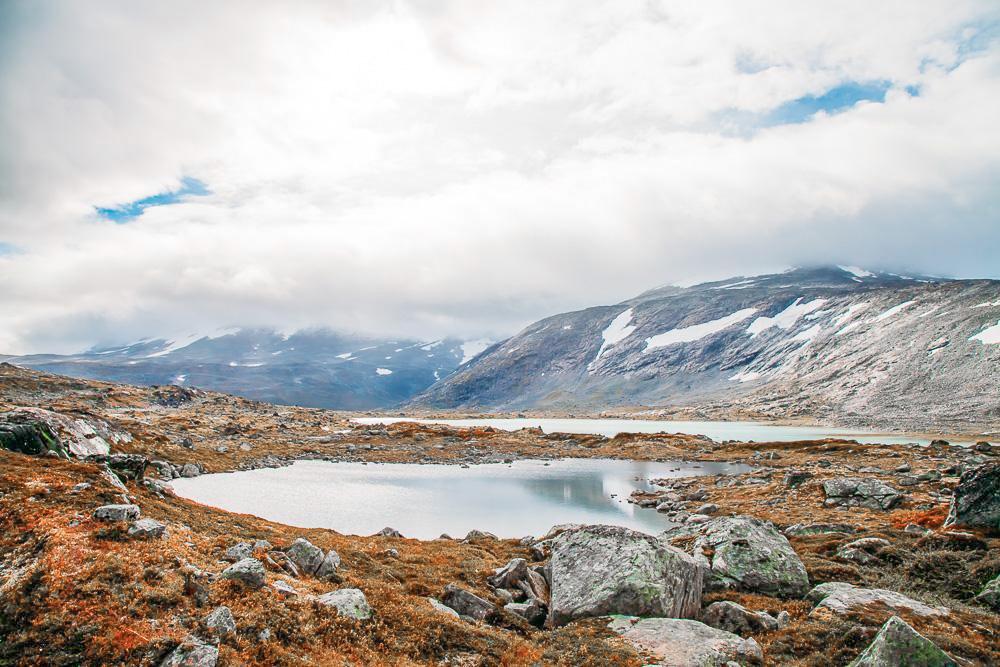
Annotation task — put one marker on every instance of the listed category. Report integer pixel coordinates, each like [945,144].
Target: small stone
[117,513]
[82,486]
[444,609]
[190,470]
[532,611]
[306,555]
[467,603]
[737,619]
[795,478]
[238,551]
[192,652]
[863,551]
[147,529]
[221,621]
[284,589]
[388,532]
[349,602]
[248,572]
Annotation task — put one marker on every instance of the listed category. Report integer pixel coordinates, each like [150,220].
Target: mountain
[314,368]
[840,344]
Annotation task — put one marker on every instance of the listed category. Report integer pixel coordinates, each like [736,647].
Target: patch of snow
[746,376]
[233,363]
[989,335]
[431,346]
[856,271]
[743,284]
[851,311]
[437,376]
[345,355]
[383,371]
[986,304]
[398,349]
[892,311]
[389,357]
[254,365]
[472,348]
[180,379]
[818,314]
[567,327]
[849,327]
[929,312]
[697,331]
[808,334]
[786,318]
[619,329]
[180,343]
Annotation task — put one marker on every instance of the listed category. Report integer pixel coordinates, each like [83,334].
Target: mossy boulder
[899,644]
[34,438]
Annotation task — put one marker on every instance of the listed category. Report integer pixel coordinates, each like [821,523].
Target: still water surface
[716,430]
[423,501]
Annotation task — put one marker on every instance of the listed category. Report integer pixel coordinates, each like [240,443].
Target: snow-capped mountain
[841,343]
[318,368]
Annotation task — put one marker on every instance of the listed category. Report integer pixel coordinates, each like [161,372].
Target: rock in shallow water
[601,570]
[684,642]
[899,644]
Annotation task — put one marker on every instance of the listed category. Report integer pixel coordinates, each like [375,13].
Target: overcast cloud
[433,168]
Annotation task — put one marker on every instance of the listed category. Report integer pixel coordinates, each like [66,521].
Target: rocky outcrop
[976,500]
[899,644]
[348,602]
[78,436]
[860,492]
[600,570]
[34,438]
[675,641]
[746,554]
[841,598]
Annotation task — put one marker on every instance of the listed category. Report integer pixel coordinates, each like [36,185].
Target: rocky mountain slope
[317,368]
[836,343]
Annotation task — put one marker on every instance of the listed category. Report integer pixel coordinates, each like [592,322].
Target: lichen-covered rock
[147,529]
[467,603]
[674,641]
[736,618]
[117,513]
[976,500]
[306,555]
[238,552]
[248,572]
[864,551]
[532,611]
[899,644]
[220,621]
[192,652]
[840,598]
[34,438]
[328,568]
[860,492]
[990,595]
[74,435]
[191,470]
[349,602]
[601,570]
[746,554]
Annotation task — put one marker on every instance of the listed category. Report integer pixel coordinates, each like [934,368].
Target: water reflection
[526,497]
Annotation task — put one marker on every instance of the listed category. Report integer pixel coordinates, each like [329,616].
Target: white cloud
[463,168]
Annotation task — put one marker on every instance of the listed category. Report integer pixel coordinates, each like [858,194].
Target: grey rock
[686,643]
[467,603]
[860,492]
[349,602]
[990,595]
[249,572]
[221,621]
[747,554]
[443,608]
[147,529]
[510,574]
[863,551]
[795,478]
[389,532]
[532,611]
[737,619]
[306,555]
[192,652]
[328,568]
[976,500]
[600,570]
[284,589]
[238,551]
[191,470]
[117,513]
[841,598]
[899,644]
[474,535]
[818,528]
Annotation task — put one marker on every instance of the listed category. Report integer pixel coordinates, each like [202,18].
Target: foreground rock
[899,644]
[737,619]
[683,642]
[249,572]
[147,529]
[860,492]
[117,513]
[221,621]
[349,602]
[466,603]
[602,570]
[841,598]
[976,501]
[192,652]
[306,555]
[746,554]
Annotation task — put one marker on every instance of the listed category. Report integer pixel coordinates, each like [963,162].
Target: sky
[438,168]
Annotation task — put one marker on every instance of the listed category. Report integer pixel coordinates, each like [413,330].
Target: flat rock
[841,597]
[249,572]
[684,643]
[860,492]
[601,570]
[238,551]
[117,513]
[976,499]
[147,529]
[349,602]
[899,644]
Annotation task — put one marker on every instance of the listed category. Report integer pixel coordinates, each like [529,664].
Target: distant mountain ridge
[842,344]
[315,368]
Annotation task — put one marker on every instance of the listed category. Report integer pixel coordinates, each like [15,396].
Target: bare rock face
[976,501]
[747,554]
[676,641]
[601,570]
[899,644]
[860,492]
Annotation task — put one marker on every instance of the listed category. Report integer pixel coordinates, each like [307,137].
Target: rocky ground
[828,552]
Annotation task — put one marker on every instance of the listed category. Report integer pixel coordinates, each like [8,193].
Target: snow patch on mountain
[619,329]
[472,348]
[787,318]
[892,311]
[989,335]
[697,331]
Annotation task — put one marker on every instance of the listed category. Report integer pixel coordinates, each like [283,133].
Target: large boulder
[976,500]
[674,641]
[32,438]
[860,492]
[349,602]
[601,570]
[841,598]
[249,572]
[746,554]
[77,436]
[899,644]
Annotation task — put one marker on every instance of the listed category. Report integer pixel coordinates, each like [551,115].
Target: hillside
[840,344]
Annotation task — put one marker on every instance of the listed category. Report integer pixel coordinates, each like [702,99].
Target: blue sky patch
[7,248]
[125,212]
[832,101]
